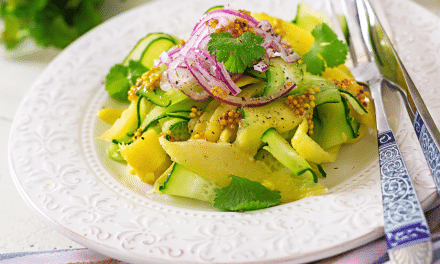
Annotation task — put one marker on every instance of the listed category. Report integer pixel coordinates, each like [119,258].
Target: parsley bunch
[49,22]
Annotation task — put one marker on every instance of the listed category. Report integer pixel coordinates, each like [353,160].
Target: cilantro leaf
[326,51]
[135,70]
[237,53]
[245,195]
[120,78]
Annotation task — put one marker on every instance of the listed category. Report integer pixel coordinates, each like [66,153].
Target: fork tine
[358,50]
[357,46]
[351,43]
[334,20]
[338,28]
[365,27]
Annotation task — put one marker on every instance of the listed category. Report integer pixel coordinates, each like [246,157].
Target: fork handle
[429,147]
[405,223]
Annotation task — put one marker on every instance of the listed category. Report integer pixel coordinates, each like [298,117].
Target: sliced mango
[110,115]
[299,38]
[213,128]
[146,156]
[370,118]
[309,149]
[228,135]
[246,80]
[200,127]
[215,161]
[123,125]
[293,188]
[339,73]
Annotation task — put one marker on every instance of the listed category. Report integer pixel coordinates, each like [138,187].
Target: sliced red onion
[207,61]
[265,30]
[191,65]
[220,74]
[286,54]
[204,77]
[181,78]
[207,81]
[164,83]
[261,66]
[232,86]
[228,14]
[254,101]
[163,58]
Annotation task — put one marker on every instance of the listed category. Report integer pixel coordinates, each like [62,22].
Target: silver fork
[406,230]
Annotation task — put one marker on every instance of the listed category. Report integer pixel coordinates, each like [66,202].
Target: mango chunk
[246,80]
[146,156]
[339,73]
[110,115]
[215,161]
[123,125]
[202,122]
[213,128]
[299,38]
[309,149]
[293,188]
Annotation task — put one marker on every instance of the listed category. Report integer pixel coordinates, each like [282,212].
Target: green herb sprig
[326,51]
[48,22]
[245,195]
[236,53]
[120,79]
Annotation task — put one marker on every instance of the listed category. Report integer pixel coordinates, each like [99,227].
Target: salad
[242,114]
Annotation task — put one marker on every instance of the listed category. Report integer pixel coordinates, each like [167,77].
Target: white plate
[63,174]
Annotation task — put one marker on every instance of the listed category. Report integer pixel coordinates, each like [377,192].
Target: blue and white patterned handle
[405,222]
[432,153]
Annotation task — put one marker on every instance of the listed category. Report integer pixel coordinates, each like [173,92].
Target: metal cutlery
[406,230]
[398,78]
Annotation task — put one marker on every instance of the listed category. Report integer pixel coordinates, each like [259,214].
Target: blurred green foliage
[48,22]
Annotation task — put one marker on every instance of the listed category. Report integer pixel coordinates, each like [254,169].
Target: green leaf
[135,70]
[86,17]
[38,5]
[120,78]
[326,51]
[236,53]
[61,34]
[245,195]
[116,82]
[48,22]
[9,35]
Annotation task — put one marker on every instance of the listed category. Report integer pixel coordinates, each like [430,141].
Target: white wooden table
[20,228]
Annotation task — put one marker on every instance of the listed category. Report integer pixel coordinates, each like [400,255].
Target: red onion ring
[192,64]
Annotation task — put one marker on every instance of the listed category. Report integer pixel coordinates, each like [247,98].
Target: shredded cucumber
[181,182]
[113,152]
[138,53]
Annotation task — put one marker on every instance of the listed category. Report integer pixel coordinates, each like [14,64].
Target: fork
[406,230]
